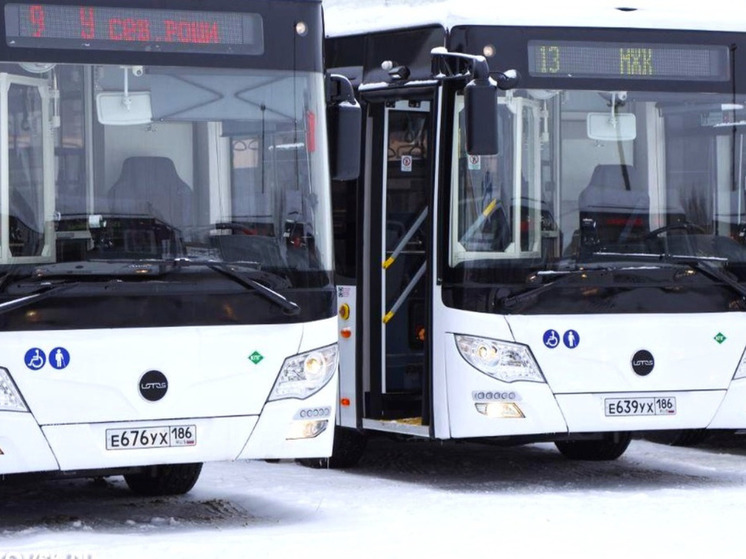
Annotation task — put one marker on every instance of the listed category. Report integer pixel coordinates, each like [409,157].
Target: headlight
[305,374]
[504,361]
[10,398]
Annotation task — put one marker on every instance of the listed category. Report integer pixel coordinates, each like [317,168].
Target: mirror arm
[476,67]
[339,90]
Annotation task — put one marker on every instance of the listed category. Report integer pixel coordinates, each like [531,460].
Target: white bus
[558,261]
[166,294]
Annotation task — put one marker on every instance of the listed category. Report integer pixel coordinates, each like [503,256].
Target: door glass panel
[407,177]
[26,171]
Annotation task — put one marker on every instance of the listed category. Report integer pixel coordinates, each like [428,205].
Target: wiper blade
[703,264]
[43,293]
[706,268]
[662,257]
[513,300]
[290,307]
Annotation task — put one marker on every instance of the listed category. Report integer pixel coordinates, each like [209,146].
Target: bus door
[26,171]
[400,180]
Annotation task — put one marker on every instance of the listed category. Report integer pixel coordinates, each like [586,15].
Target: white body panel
[212,385]
[465,384]
[585,412]
[732,412]
[690,365]
[208,370]
[347,410]
[687,357]
[268,439]
[23,446]
[83,446]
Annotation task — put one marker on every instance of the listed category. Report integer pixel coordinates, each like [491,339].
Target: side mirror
[480,95]
[344,123]
[480,112]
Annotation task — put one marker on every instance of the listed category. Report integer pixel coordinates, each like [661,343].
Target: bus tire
[349,446]
[610,447]
[167,479]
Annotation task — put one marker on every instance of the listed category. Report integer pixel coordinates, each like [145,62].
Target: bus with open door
[547,241]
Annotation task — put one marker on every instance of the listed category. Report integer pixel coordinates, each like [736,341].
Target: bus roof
[349,17]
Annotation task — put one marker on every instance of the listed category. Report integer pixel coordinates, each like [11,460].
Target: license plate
[151,437]
[661,405]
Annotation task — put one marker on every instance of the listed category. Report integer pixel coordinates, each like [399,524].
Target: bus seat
[252,204]
[151,186]
[616,204]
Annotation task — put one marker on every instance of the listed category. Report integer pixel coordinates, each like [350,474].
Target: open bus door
[395,291]
[384,253]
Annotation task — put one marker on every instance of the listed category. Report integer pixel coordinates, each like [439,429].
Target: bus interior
[162,164]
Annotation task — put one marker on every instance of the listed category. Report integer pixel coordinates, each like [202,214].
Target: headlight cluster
[305,374]
[10,398]
[503,361]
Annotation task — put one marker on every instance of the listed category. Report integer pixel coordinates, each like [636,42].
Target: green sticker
[720,338]
[256,357]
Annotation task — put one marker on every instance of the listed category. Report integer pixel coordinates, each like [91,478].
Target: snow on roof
[350,17]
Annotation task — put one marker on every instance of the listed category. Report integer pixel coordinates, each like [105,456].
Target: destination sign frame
[620,60]
[93,27]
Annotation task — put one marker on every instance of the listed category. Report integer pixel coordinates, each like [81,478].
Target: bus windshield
[589,178]
[155,163]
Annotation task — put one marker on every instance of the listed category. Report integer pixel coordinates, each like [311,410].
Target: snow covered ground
[406,499]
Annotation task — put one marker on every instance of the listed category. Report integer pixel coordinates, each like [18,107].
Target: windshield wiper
[242,278]
[513,300]
[702,264]
[290,307]
[707,269]
[40,294]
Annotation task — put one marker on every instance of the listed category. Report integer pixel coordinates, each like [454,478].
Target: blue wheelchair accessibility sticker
[35,359]
[551,339]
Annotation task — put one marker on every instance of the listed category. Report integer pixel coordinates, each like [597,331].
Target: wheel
[610,447]
[349,446]
[167,479]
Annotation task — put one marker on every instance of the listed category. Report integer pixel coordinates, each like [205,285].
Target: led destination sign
[106,28]
[571,59]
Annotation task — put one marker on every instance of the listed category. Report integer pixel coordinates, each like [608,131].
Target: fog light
[306,429]
[509,410]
